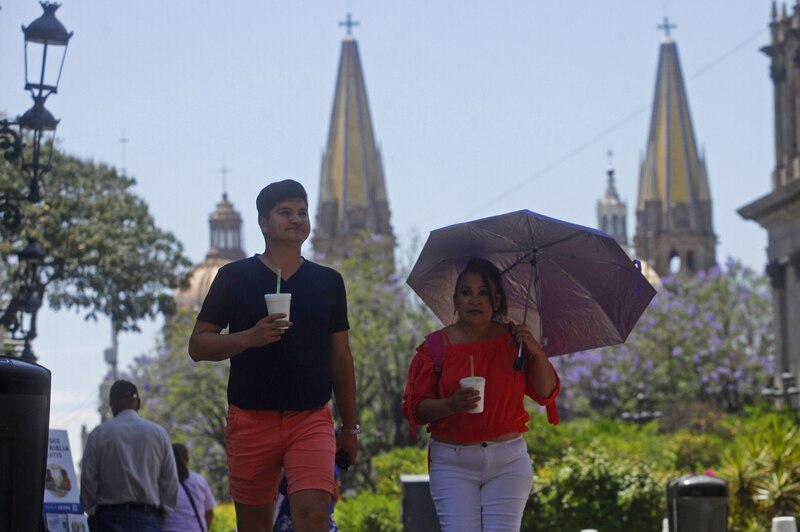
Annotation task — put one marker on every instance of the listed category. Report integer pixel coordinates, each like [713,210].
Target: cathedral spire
[352,192]
[673,211]
[612,211]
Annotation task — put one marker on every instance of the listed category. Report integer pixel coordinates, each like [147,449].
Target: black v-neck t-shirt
[293,373]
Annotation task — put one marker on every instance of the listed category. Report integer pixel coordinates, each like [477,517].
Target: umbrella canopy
[580,289]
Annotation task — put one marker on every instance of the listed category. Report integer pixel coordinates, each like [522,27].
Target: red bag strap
[436,343]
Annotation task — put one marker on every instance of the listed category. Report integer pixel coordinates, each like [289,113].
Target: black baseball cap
[123,389]
[274,193]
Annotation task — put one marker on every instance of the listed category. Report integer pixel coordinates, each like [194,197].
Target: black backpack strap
[194,507]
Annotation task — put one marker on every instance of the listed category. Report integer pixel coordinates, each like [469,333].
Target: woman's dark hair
[490,276]
[181,460]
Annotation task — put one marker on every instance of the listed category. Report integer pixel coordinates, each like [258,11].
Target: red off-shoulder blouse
[504,411]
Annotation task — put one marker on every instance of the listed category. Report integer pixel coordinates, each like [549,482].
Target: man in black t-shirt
[282,372]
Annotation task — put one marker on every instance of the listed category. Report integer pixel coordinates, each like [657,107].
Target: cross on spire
[349,23]
[224,171]
[610,172]
[666,26]
[124,141]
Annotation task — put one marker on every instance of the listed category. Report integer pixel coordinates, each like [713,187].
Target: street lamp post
[27,300]
[25,386]
[46,41]
[47,36]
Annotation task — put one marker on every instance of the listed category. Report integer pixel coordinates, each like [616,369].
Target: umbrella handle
[518,361]
[638,288]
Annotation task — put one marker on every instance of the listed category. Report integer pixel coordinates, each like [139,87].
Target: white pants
[480,487]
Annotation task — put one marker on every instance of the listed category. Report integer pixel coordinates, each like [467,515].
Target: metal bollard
[697,503]
[418,512]
[784,524]
[24,419]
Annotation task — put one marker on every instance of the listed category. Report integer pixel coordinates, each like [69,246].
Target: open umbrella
[573,284]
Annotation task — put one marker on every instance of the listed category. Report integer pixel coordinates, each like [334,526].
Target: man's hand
[349,444]
[268,330]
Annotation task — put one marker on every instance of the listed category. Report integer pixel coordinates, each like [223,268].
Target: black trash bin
[697,503]
[24,426]
[418,512]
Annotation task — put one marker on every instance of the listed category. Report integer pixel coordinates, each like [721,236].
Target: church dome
[199,283]
[225,227]
[611,197]
[225,211]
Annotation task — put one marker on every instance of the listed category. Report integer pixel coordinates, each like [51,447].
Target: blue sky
[480,108]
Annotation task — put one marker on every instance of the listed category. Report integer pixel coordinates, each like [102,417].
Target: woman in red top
[480,471]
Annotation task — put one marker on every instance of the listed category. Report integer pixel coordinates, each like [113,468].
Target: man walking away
[128,475]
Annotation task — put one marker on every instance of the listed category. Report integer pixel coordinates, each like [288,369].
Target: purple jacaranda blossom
[710,333]
[715,342]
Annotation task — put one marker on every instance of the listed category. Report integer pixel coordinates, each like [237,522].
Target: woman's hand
[523,335]
[541,375]
[463,399]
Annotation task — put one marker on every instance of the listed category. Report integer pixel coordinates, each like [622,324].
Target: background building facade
[779,211]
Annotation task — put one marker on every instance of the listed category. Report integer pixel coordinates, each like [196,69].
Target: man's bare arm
[206,342]
[344,390]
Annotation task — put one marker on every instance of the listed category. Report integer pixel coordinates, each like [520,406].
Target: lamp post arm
[9,320]
[10,141]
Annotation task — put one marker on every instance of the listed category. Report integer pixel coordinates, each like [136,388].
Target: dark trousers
[124,521]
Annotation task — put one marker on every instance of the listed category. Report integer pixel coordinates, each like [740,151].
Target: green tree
[387,322]
[399,461]
[589,489]
[368,512]
[762,467]
[189,399]
[105,254]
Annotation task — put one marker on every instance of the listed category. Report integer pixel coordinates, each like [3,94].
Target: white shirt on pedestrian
[128,459]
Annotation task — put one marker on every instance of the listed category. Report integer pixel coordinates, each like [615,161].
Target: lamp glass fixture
[46,41]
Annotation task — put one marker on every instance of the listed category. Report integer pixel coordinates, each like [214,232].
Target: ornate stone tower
[612,211]
[352,194]
[225,245]
[779,211]
[673,209]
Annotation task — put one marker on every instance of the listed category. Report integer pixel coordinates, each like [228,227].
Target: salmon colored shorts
[261,442]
